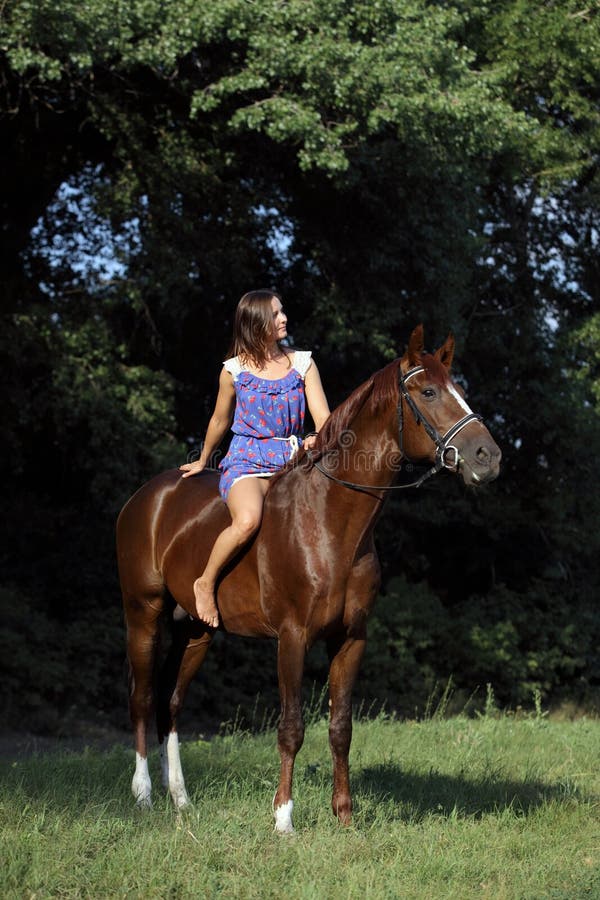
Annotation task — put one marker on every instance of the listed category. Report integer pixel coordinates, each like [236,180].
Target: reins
[442,443]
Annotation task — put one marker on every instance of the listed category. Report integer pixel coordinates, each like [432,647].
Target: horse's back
[155,516]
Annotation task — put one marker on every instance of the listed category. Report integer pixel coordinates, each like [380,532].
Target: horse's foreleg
[290,734]
[187,652]
[345,656]
[142,640]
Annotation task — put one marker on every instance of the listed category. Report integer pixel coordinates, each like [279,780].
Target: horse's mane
[374,394]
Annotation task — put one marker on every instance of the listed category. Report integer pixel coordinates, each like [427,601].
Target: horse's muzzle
[481,464]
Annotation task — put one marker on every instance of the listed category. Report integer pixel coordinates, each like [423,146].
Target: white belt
[293,442]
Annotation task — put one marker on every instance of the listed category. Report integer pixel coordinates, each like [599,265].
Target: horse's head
[437,425]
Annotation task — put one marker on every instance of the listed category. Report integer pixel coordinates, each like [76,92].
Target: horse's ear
[446,352]
[415,346]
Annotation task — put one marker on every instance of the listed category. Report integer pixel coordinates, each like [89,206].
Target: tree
[382,163]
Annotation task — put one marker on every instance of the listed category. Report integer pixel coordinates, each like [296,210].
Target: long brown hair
[253,327]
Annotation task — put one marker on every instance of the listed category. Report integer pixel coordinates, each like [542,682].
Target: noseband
[442,442]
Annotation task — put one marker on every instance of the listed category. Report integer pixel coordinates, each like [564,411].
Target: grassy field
[497,806]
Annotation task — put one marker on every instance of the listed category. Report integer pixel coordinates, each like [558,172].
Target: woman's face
[279,320]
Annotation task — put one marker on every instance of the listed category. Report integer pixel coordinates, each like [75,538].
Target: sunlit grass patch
[490,807]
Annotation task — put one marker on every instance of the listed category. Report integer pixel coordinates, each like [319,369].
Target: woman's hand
[309,441]
[218,425]
[192,468]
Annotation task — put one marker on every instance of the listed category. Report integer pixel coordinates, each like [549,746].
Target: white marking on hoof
[179,795]
[283,818]
[141,786]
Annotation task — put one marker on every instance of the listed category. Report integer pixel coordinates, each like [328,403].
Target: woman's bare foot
[206,609]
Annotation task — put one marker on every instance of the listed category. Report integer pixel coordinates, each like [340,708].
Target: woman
[263,387]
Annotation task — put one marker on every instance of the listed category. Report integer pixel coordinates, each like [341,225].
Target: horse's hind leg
[290,734]
[187,652]
[142,617]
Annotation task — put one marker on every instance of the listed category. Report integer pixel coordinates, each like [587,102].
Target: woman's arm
[317,401]
[218,425]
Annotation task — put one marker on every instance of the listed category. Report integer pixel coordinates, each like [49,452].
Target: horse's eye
[428,393]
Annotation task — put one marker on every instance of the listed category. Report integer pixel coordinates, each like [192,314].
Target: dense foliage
[382,163]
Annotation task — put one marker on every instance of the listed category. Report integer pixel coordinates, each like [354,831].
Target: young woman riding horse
[311,572]
[263,388]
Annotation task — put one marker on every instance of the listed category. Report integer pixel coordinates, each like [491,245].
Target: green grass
[491,807]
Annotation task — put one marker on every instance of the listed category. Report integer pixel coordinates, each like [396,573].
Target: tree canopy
[381,163]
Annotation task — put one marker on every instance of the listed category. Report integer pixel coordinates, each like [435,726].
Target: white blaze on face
[460,400]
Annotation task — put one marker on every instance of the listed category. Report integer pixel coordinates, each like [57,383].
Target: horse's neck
[368,450]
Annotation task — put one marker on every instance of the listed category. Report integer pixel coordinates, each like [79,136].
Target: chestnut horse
[310,573]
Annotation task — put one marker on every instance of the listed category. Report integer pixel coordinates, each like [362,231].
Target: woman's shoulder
[233,366]
[301,361]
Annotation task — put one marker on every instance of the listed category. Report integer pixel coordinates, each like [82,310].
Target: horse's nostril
[488,456]
[483,455]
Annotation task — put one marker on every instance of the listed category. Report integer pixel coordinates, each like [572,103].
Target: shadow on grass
[69,780]
[72,781]
[416,795]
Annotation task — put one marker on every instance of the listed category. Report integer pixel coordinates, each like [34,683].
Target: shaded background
[381,164]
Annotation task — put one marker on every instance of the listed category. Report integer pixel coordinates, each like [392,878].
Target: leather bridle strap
[442,443]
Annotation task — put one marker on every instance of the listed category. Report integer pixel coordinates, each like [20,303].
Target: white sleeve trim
[302,361]
[233,366]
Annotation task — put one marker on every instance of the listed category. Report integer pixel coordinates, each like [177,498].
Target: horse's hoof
[343,812]
[283,818]
[181,800]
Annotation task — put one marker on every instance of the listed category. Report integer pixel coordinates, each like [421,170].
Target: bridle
[442,443]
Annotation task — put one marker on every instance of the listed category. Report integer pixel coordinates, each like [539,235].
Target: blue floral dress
[268,421]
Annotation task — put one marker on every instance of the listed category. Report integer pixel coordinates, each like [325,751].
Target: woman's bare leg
[245,502]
